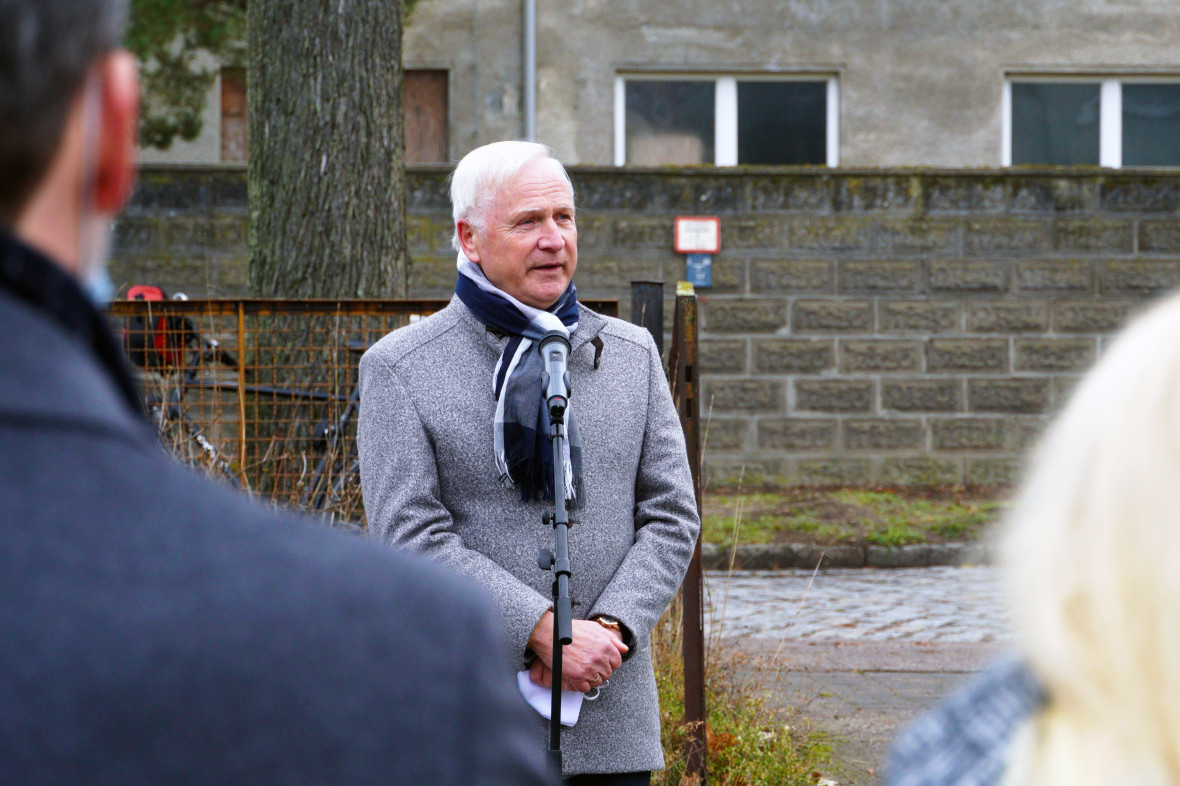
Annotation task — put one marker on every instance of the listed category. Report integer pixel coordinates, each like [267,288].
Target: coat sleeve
[399,483]
[666,518]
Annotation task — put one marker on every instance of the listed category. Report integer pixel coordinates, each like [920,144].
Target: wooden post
[647,309]
[682,366]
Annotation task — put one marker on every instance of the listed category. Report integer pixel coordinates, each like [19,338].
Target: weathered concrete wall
[920,80]
[897,327]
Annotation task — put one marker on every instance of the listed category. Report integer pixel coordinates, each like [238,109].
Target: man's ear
[117,133]
[466,231]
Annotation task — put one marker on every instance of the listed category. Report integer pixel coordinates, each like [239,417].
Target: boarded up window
[424,101]
[233,115]
[425,108]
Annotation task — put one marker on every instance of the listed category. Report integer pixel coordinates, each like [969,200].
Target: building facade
[860,83]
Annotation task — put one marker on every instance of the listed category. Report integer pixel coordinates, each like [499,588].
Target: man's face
[528,246]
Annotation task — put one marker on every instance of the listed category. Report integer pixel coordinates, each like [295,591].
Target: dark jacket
[155,627]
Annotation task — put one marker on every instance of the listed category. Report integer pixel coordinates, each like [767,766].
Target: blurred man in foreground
[157,628]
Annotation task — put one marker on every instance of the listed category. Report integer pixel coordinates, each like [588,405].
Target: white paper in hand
[540,699]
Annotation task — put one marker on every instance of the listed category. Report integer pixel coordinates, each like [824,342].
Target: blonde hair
[1092,557]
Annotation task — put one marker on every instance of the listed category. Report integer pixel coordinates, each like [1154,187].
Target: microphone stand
[556,384]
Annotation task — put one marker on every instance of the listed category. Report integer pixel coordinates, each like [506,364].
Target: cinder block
[1005,236]
[729,274]
[1088,316]
[883,434]
[832,316]
[953,434]
[1040,194]
[834,472]
[1005,472]
[791,276]
[828,233]
[968,277]
[707,194]
[725,433]
[431,273]
[1026,430]
[921,472]
[1139,194]
[833,395]
[228,191]
[1016,316]
[1063,388]
[1016,395]
[723,471]
[595,233]
[172,191]
[880,277]
[722,356]
[917,236]
[804,193]
[742,395]
[1054,354]
[761,232]
[428,235]
[922,395]
[1159,236]
[796,433]
[184,234]
[967,354]
[875,193]
[919,316]
[134,234]
[227,235]
[1138,277]
[964,193]
[428,192]
[1052,277]
[744,316]
[881,355]
[794,356]
[1092,234]
[636,232]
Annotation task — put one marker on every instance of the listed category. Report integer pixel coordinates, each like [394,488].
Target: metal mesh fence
[262,394]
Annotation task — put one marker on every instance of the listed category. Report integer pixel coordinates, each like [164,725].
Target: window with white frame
[1112,122]
[726,120]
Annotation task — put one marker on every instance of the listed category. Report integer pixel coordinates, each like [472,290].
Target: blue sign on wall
[698,270]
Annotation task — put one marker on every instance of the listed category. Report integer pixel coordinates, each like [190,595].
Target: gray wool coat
[430,484]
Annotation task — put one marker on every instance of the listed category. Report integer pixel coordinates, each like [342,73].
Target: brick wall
[894,327]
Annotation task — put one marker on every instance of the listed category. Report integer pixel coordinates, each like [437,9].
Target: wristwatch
[609,622]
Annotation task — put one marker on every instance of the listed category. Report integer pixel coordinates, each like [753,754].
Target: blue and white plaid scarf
[524,454]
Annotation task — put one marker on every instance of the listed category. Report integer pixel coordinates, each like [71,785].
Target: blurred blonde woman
[1091,555]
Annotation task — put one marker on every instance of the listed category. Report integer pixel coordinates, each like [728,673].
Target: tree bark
[326,171]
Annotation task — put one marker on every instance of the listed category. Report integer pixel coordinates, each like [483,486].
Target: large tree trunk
[327,191]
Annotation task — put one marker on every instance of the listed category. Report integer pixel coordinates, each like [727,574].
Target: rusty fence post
[647,309]
[241,374]
[682,371]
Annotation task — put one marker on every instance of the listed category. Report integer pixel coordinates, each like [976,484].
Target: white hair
[484,171]
[1092,558]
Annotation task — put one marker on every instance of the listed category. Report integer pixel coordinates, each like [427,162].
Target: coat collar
[590,324]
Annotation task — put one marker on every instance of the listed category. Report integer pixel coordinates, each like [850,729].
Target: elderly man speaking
[452,463]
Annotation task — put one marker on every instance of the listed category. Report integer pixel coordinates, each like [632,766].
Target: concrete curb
[806,555]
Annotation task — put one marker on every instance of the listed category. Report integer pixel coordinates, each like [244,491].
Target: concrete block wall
[898,327]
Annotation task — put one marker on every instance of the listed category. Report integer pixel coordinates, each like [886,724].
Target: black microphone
[555,352]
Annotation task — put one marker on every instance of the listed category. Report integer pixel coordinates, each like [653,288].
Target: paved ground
[858,652]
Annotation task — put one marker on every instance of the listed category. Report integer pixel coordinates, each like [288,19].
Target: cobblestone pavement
[858,653]
[943,604]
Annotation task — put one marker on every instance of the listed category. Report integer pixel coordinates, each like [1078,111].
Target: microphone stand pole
[556,400]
